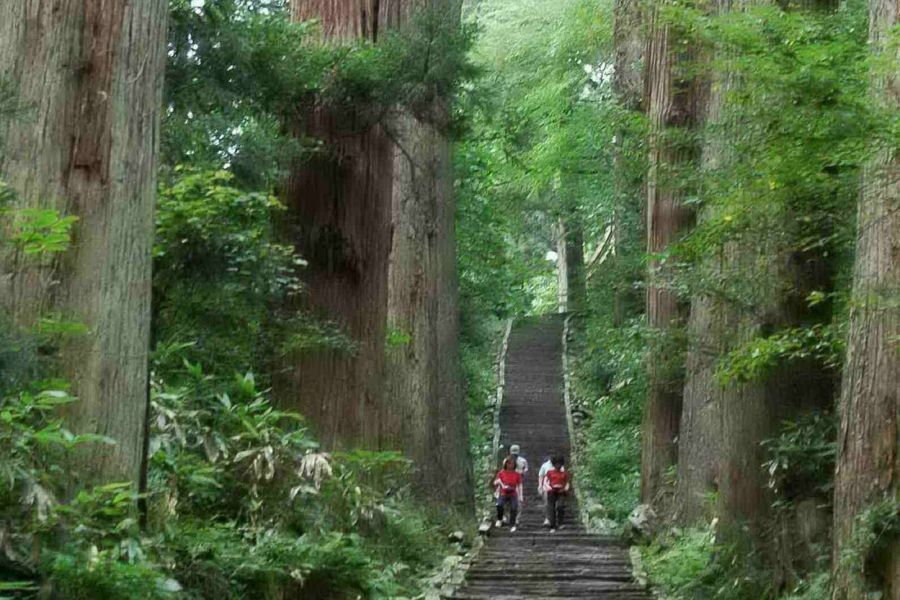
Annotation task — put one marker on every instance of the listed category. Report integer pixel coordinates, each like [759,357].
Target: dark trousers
[513,502]
[556,506]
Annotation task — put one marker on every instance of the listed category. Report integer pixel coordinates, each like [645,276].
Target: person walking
[542,475]
[509,487]
[521,464]
[521,468]
[557,483]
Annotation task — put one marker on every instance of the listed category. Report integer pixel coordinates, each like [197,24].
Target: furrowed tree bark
[423,376]
[375,219]
[89,77]
[339,220]
[723,426]
[674,102]
[868,466]
[629,190]
[711,324]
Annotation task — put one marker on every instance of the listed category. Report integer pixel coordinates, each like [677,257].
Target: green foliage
[235,69]
[815,587]
[228,562]
[246,503]
[307,334]
[396,337]
[800,461]
[692,565]
[241,77]
[536,148]
[682,565]
[419,68]
[875,529]
[107,578]
[31,437]
[609,387]
[218,271]
[39,231]
[758,357]
[797,127]
[240,505]
[102,534]
[222,447]
[478,355]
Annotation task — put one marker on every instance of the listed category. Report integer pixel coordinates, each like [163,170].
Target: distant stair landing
[532,562]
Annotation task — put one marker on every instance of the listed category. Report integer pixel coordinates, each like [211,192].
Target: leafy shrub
[218,272]
[222,447]
[817,586]
[758,357]
[609,388]
[680,567]
[103,553]
[110,579]
[692,565]
[800,461]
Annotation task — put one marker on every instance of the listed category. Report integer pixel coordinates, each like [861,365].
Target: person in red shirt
[509,486]
[557,484]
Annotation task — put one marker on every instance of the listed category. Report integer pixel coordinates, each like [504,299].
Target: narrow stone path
[532,562]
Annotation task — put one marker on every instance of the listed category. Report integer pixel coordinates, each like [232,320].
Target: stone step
[558,587]
[532,563]
[499,595]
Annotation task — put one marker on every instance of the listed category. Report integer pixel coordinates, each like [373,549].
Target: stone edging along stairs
[532,562]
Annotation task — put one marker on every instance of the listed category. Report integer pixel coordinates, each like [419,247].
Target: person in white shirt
[521,463]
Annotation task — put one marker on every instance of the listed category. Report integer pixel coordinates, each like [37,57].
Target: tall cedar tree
[674,97]
[868,469]
[374,216]
[723,426]
[88,76]
[629,50]
[570,262]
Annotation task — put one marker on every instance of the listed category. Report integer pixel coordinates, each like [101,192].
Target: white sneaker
[512,529]
[546,522]
[499,523]
[552,530]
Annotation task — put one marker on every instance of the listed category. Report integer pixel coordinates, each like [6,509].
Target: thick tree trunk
[674,101]
[375,220]
[570,265]
[423,381]
[628,187]
[89,75]
[340,220]
[712,325]
[868,469]
[722,427]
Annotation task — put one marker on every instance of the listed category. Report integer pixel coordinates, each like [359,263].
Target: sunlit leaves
[756,359]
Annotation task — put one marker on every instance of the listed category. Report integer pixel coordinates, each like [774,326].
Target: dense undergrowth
[560,146]
[239,500]
[608,392]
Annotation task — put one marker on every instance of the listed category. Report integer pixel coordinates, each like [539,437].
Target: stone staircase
[532,562]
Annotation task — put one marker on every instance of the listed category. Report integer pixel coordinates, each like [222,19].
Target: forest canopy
[258,261]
